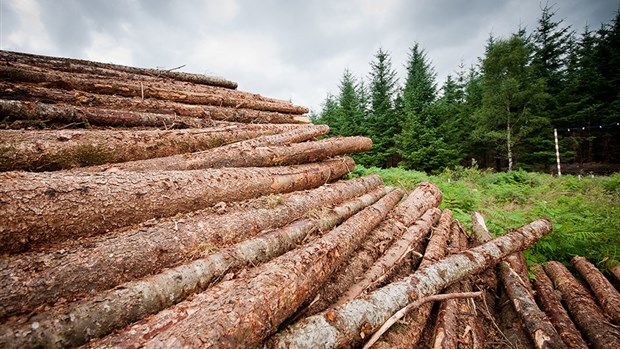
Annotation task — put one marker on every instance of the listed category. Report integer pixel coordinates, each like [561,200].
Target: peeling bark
[587,314]
[48,207]
[99,316]
[247,154]
[35,93]
[72,65]
[51,150]
[550,303]
[351,322]
[397,251]
[242,312]
[148,89]
[87,115]
[540,330]
[605,293]
[104,262]
[424,197]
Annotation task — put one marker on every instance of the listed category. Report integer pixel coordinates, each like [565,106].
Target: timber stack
[160,209]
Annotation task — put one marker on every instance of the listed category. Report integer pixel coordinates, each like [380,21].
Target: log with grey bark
[551,304]
[606,294]
[351,322]
[68,114]
[51,206]
[587,314]
[28,92]
[148,89]
[247,154]
[99,316]
[49,150]
[240,313]
[540,330]
[424,197]
[72,65]
[135,252]
[413,236]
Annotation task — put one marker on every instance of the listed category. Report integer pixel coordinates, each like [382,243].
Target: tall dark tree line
[499,113]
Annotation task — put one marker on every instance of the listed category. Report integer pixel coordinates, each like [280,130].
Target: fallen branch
[401,313]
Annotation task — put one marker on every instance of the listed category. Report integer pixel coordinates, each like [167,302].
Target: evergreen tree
[348,113]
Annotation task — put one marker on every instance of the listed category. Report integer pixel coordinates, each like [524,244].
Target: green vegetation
[585,211]
[500,112]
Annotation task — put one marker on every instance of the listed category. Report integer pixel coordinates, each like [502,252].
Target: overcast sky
[285,49]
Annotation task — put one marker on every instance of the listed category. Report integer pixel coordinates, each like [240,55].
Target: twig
[401,313]
[175,68]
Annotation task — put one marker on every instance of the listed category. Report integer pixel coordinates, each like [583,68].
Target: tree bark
[99,316]
[148,89]
[67,114]
[550,303]
[615,272]
[385,263]
[245,154]
[135,252]
[347,324]
[424,197]
[605,293]
[51,150]
[72,65]
[583,308]
[540,330]
[242,312]
[35,93]
[47,207]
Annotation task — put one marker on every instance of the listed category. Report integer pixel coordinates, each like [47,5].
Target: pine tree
[348,113]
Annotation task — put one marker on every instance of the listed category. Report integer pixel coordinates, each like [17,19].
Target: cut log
[540,330]
[99,316]
[435,250]
[242,312]
[587,314]
[45,207]
[357,319]
[456,320]
[396,252]
[605,293]
[550,303]
[35,93]
[72,65]
[147,89]
[51,150]
[424,197]
[67,114]
[246,154]
[133,253]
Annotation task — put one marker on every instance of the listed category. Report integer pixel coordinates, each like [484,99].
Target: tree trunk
[47,207]
[242,312]
[357,319]
[542,333]
[605,293]
[72,65]
[583,308]
[133,253]
[248,155]
[53,150]
[397,251]
[148,89]
[550,302]
[34,93]
[99,316]
[456,325]
[435,250]
[67,114]
[615,272]
[424,197]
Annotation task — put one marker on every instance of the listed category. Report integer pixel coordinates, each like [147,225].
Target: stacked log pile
[154,208]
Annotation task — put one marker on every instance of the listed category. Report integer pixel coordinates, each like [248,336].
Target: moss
[88,155]
[274,200]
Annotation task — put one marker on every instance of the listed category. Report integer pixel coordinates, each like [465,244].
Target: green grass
[585,211]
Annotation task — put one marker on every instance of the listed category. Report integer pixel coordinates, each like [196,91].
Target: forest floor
[585,211]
